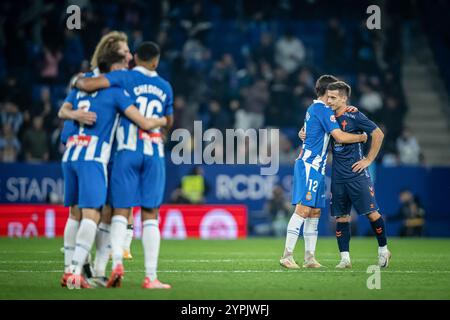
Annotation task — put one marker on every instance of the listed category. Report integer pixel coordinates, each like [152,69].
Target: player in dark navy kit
[350,181]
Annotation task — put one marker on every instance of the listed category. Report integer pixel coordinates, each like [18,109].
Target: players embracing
[138,172]
[350,181]
[309,175]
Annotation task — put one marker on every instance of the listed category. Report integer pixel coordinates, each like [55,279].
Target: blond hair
[109,42]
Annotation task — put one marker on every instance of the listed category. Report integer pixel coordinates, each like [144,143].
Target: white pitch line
[250,271]
[196,260]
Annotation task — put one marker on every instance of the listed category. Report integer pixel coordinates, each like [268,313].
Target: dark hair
[107,59]
[147,51]
[342,87]
[323,82]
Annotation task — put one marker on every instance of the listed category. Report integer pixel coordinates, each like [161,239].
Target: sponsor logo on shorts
[338,234]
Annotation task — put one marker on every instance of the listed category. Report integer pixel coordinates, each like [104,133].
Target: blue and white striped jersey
[94,143]
[319,122]
[154,97]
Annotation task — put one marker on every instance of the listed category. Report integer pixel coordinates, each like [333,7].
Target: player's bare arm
[377,140]
[345,137]
[91,84]
[66,112]
[142,122]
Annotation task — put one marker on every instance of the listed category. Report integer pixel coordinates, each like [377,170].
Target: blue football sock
[343,236]
[380,231]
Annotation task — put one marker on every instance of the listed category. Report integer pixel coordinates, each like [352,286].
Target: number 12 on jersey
[313,185]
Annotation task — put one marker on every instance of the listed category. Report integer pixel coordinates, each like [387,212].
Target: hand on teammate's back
[364,137]
[351,109]
[85,117]
[302,134]
[74,80]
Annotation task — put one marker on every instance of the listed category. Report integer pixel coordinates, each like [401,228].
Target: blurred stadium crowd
[233,64]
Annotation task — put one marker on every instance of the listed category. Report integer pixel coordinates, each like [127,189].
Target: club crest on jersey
[333,118]
[372,192]
[308,196]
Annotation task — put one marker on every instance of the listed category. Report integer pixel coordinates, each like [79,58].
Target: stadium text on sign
[176,222]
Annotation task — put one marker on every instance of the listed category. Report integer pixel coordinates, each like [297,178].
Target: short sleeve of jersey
[117,78]
[71,96]
[327,118]
[364,123]
[169,103]
[122,98]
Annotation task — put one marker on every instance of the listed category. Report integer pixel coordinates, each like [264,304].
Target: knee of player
[315,213]
[343,219]
[149,213]
[374,216]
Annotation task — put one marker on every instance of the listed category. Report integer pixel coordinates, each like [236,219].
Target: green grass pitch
[241,269]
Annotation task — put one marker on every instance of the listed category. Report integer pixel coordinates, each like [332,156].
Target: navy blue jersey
[154,98]
[345,155]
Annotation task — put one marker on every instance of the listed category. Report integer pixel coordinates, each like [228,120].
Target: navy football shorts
[359,193]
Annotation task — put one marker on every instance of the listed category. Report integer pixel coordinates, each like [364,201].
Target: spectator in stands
[391,116]
[370,101]
[290,52]
[73,52]
[51,57]
[335,42]
[278,112]
[193,52]
[42,108]
[412,214]
[408,148]
[287,153]
[265,50]
[194,187]
[197,22]
[35,142]
[10,114]
[9,145]
[218,117]
[15,91]
[278,208]
[256,99]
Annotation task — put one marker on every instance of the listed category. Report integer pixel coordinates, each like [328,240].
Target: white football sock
[118,231]
[345,255]
[128,239]
[70,236]
[310,234]
[151,239]
[85,240]
[293,231]
[382,249]
[103,249]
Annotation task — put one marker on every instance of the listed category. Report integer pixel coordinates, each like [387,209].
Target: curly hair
[109,42]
